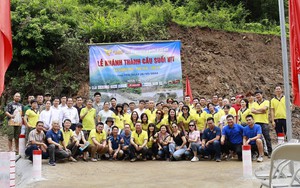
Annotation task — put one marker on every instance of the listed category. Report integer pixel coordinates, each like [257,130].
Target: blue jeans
[214,148]
[30,149]
[194,147]
[177,154]
[164,152]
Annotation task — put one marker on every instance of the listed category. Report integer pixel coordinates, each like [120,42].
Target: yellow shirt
[151,115]
[88,122]
[126,117]
[145,126]
[216,117]
[119,120]
[33,117]
[186,121]
[200,119]
[231,111]
[279,107]
[242,116]
[162,122]
[100,137]
[261,118]
[150,142]
[67,136]
[139,138]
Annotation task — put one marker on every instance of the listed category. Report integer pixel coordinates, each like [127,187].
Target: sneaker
[218,160]
[93,159]
[133,159]
[52,163]
[260,159]
[194,159]
[254,157]
[72,159]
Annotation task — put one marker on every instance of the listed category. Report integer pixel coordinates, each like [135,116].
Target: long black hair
[151,125]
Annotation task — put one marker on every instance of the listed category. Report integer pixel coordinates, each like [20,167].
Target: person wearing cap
[260,111]
[47,97]
[78,133]
[97,140]
[109,123]
[138,143]
[97,103]
[278,111]
[88,115]
[56,145]
[119,116]
[14,111]
[232,137]
[70,139]
[31,117]
[71,113]
[252,135]
[36,141]
[114,145]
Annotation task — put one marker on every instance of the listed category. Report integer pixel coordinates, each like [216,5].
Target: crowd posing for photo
[92,130]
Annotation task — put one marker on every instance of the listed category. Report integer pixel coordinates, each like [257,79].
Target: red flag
[188,90]
[294,14]
[5,40]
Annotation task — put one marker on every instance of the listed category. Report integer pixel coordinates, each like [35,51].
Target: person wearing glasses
[194,142]
[159,120]
[185,118]
[211,140]
[177,145]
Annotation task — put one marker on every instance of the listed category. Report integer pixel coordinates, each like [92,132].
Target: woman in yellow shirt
[159,119]
[172,118]
[151,144]
[119,117]
[145,123]
[200,118]
[185,119]
[243,112]
[133,119]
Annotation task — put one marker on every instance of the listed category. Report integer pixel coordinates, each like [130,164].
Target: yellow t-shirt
[67,136]
[231,111]
[126,117]
[279,107]
[151,115]
[100,137]
[119,120]
[162,122]
[150,142]
[216,117]
[186,121]
[200,119]
[33,117]
[139,138]
[242,116]
[88,122]
[132,127]
[145,126]
[261,118]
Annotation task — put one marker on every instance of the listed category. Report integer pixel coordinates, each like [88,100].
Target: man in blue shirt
[211,140]
[252,136]
[232,137]
[114,145]
[125,140]
[55,149]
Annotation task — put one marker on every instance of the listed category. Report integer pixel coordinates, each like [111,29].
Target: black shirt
[178,139]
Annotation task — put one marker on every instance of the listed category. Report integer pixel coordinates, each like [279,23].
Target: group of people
[173,130]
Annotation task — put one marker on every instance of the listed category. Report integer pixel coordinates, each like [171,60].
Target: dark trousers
[164,152]
[55,153]
[134,152]
[280,126]
[86,134]
[152,151]
[214,148]
[30,149]
[266,132]
[73,148]
[228,146]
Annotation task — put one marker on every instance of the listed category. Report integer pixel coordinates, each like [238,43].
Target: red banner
[188,90]
[5,40]
[294,14]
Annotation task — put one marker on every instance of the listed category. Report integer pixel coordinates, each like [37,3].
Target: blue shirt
[211,134]
[115,141]
[56,137]
[126,138]
[252,132]
[234,134]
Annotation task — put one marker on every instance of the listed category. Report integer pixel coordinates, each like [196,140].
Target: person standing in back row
[260,109]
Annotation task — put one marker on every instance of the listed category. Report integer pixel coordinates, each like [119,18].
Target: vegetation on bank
[50,37]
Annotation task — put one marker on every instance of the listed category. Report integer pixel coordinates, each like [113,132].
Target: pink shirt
[193,135]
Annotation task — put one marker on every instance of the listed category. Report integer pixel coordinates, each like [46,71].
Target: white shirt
[104,115]
[79,135]
[56,115]
[71,113]
[45,116]
[139,112]
[63,106]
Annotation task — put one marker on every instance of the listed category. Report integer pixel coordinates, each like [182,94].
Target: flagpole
[285,70]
